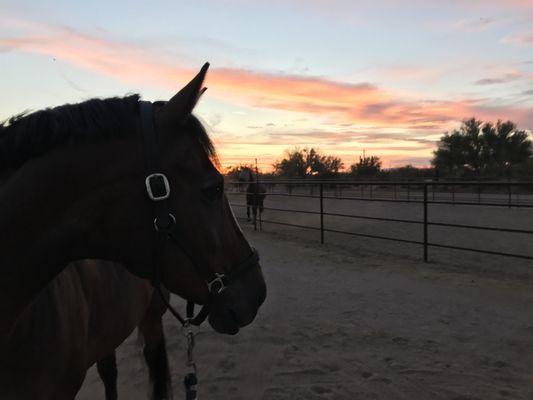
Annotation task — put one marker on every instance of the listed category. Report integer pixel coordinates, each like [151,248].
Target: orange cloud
[362,103]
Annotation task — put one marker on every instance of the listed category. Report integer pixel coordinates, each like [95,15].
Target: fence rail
[426,194]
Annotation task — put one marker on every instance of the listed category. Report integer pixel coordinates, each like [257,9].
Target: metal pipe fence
[425,194]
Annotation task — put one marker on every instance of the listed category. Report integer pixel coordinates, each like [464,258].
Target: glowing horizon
[392,96]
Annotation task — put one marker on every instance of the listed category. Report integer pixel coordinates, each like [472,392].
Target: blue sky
[386,76]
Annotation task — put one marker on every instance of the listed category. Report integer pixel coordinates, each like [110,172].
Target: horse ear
[180,106]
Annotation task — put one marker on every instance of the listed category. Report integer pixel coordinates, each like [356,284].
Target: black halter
[166,228]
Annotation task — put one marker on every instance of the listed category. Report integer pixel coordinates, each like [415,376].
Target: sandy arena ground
[366,319]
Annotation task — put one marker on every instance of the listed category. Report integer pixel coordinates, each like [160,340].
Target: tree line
[476,149]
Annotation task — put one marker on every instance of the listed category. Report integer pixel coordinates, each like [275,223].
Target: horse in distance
[255,194]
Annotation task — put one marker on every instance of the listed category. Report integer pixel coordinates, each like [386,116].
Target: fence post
[260,222]
[254,211]
[408,192]
[321,213]
[425,222]
[453,194]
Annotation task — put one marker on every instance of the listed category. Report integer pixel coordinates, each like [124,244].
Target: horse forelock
[194,127]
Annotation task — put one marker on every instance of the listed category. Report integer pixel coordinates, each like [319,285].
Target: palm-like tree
[504,147]
[460,149]
[483,148]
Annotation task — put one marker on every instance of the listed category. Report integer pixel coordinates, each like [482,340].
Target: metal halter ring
[166,228]
[218,279]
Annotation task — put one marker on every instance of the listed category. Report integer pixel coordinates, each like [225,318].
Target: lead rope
[190,380]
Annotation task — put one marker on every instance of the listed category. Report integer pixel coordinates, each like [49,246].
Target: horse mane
[28,135]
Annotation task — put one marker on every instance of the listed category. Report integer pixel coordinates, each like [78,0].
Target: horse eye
[214,192]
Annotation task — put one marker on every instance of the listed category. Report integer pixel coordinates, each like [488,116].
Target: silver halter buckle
[218,279]
[159,181]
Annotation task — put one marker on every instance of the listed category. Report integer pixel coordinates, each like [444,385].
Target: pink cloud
[356,103]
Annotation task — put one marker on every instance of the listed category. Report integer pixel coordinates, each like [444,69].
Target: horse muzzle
[238,304]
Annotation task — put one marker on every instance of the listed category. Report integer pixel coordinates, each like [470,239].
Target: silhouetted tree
[366,167]
[330,166]
[479,148]
[235,172]
[505,147]
[408,172]
[299,163]
[294,165]
[525,170]
[460,149]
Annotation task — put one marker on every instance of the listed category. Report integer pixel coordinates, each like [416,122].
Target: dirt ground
[363,321]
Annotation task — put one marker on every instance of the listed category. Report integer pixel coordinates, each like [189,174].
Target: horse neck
[37,238]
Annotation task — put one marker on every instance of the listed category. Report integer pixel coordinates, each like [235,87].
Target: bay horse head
[197,221]
[89,181]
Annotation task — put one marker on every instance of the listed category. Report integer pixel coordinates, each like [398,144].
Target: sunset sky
[384,76]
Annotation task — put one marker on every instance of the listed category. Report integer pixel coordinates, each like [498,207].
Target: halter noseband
[166,228]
